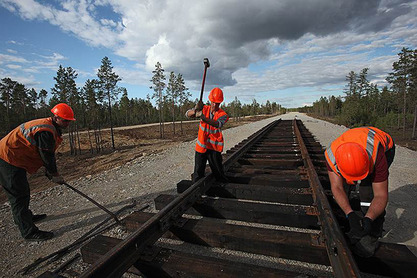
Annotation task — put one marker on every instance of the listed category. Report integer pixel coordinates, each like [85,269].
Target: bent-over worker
[24,150]
[361,157]
[210,140]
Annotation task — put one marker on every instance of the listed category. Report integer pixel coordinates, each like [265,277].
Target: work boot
[38,217]
[39,236]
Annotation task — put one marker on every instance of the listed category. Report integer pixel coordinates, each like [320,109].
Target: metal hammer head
[206,62]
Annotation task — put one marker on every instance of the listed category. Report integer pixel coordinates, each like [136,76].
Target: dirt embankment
[130,143]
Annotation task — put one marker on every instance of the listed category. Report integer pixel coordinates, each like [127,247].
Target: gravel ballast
[70,216]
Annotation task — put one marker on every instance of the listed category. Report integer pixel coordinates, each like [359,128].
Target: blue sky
[288,51]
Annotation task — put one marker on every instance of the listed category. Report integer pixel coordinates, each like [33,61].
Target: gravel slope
[70,216]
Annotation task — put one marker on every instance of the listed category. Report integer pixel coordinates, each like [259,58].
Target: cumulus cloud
[73,16]
[303,43]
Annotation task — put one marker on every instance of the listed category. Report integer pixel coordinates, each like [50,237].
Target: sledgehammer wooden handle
[206,65]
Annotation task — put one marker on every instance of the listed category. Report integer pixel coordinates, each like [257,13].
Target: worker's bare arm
[190,113]
[380,200]
[339,194]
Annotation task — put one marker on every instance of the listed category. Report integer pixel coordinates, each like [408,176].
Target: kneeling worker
[25,149]
[210,138]
[361,156]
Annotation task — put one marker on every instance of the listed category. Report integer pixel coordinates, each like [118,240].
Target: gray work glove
[199,106]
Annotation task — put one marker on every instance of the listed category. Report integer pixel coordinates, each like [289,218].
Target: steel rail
[340,257]
[120,258]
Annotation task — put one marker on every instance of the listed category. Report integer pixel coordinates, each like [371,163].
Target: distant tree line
[365,104]
[97,104]
[171,104]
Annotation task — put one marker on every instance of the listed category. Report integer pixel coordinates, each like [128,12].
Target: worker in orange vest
[361,157]
[24,150]
[210,141]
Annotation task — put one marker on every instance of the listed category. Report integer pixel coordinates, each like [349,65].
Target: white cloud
[49,62]
[12,66]
[288,44]
[23,70]
[4,58]
[134,77]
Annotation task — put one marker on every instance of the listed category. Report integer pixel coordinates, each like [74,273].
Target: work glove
[356,231]
[366,246]
[56,178]
[199,106]
[367,225]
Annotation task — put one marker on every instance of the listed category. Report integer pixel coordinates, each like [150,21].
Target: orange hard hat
[64,111]
[353,161]
[216,95]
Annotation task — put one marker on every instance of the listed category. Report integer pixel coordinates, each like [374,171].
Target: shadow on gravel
[401,220]
[141,201]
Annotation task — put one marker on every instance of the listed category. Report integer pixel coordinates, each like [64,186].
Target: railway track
[275,218]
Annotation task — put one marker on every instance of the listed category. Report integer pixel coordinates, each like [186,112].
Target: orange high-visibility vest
[370,138]
[19,148]
[210,137]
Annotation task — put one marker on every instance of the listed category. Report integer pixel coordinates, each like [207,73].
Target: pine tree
[90,94]
[6,88]
[107,82]
[158,87]
[400,79]
[43,106]
[351,86]
[172,94]
[362,82]
[125,106]
[65,87]
[20,100]
[183,95]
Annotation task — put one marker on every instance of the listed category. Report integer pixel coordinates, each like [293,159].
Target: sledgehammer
[206,65]
[94,202]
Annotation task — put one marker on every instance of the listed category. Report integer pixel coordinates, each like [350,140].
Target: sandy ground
[144,178]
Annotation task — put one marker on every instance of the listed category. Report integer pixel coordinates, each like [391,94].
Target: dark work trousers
[216,164]
[366,194]
[15,183]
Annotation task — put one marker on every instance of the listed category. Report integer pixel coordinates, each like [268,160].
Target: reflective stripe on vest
[210,137]
[370,141]
[332,158]
[19,147]
[211,131]
[26,131]
[201,144]
[371,144]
